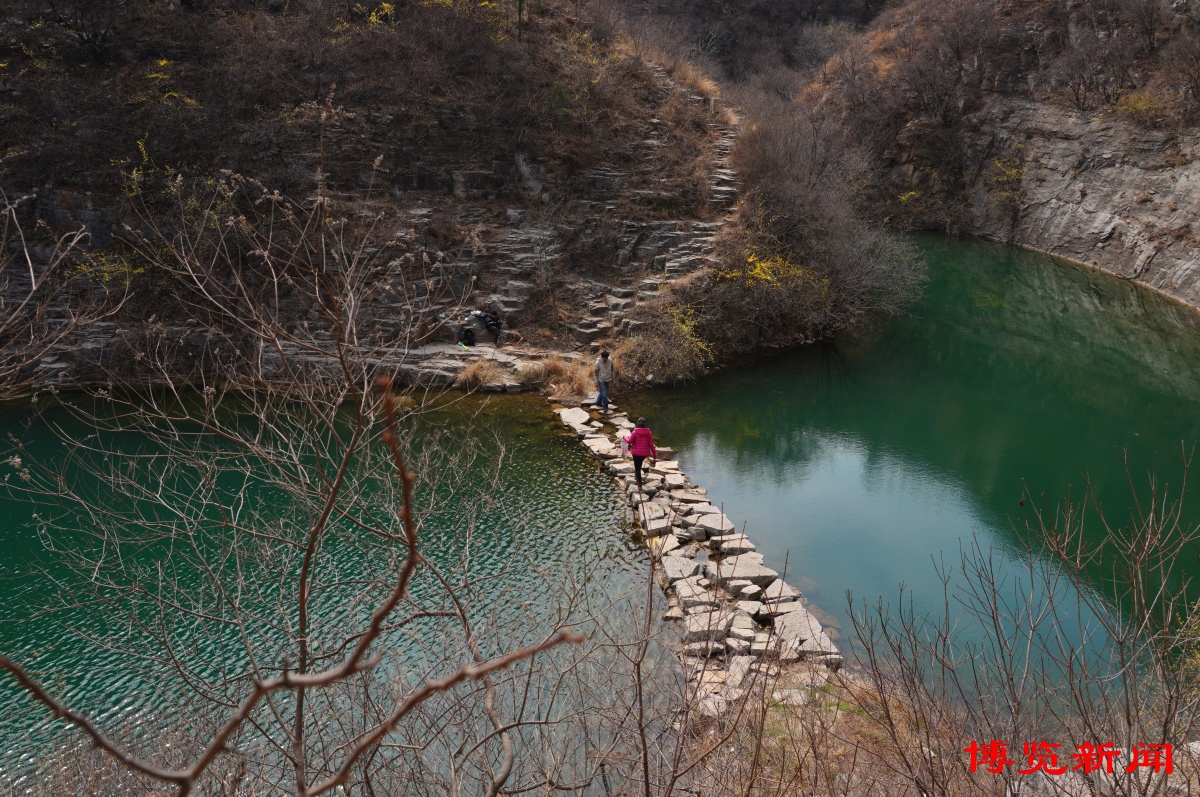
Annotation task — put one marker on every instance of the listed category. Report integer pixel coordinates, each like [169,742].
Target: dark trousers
[637,469]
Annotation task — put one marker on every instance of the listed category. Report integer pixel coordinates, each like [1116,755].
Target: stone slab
[752,608]
[739,668]
[715,524]
[747,567]
[707,626]
[732,544]
[736,646]
[780,592]
[656,527]
[691,595]
[676,566]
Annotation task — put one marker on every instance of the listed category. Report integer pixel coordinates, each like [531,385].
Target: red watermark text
[1043,756]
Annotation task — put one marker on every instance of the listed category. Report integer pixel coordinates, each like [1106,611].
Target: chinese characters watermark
[1043,756]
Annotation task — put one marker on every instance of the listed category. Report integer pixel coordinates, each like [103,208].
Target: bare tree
[46,301]
[1183,56]
[263,547]
[1146,18]
[288,466]
[90,23]
[1086,642]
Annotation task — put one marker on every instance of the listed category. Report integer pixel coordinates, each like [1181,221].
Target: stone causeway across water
[736,616]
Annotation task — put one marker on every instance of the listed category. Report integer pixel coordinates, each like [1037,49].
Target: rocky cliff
[1092,188]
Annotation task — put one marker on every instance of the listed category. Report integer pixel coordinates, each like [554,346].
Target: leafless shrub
[46,298]
[90,23]
[1094,71]
[1082,642]
[1183,58]
[670,346]
[1146,18]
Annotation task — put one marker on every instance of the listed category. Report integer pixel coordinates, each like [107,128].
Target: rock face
[1094,189]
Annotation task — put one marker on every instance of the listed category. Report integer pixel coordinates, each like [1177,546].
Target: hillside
[1070,129]
[540,162]
[567,165]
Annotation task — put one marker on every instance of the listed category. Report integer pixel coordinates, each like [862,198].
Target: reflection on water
[859,461]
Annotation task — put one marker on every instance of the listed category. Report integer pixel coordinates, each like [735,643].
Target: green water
[859,460]
[555,515]
[856,462]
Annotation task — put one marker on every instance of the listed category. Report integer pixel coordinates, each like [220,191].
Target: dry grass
[480,373]
[688,74]
[559,376]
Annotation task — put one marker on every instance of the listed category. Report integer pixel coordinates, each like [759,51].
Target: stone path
[736,615]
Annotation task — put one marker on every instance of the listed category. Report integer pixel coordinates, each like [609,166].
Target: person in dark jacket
[641,445]
[493,324]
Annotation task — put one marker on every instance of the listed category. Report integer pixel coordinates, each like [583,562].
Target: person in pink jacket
[641,445]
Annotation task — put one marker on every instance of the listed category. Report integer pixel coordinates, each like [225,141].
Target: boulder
[619,467]
[764,647]
[739,668]
[737,647]
[703,509]
[732,544]
[675,481]
[600,446]
[742,632]
[656,527]
[689,496]
[790,697]
[752,608]
[799,630]
[649,510]
[736,585]
[712,706]
[703,649]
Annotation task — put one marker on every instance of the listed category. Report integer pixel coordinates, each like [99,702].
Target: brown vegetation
[479,373]
[51,292]
[560,376]
[407,106]
[916,86]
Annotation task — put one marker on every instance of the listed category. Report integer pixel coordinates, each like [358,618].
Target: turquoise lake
[856,462]
[859,460]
